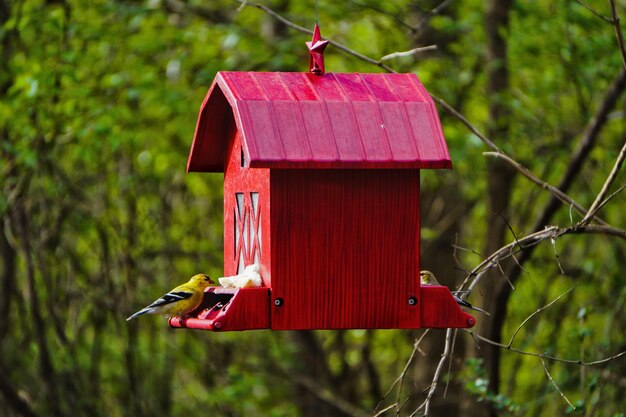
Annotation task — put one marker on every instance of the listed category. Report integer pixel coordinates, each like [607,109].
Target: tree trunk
[500,177]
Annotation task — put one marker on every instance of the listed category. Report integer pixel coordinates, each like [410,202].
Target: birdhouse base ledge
[229,309]
[440,310]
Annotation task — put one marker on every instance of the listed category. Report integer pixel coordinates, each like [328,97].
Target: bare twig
[431,13]
[592,10]
[611,196]
[545,367]
[445,391]
[618,31]
[400,378]
[467,124]
[384,410]
[605,188]
[550,232]
[556,256]
[543,355]
[539,310]
[310,32]
[408,53]
[433,386]
[564,198]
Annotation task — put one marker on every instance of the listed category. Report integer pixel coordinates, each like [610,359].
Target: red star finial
[316,49]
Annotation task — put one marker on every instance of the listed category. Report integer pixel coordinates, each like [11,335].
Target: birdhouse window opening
[256,230]
[248,231]
[243,160]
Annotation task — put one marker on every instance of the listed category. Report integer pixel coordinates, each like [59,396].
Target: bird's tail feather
[139,313]
[480,309]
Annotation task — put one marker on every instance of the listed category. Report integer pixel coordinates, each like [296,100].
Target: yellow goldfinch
[179,301]
[428,278]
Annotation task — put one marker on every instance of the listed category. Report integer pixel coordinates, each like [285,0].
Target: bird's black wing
[171,297]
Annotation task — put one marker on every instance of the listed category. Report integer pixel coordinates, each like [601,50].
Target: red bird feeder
[322,190]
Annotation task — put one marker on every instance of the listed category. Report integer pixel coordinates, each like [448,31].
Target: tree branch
[564,198]
[545,368]
[543,355]
[310,32]
[433,386]
[618,31]
[539,310]
[605,188]
[586,6]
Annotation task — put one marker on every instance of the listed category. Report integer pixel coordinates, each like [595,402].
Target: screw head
[471,321]
[412,301]
[278,302]
[217,324]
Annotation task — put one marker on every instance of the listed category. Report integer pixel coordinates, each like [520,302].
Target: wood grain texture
[302,121]
[249,221]
[440,310]
[345,249]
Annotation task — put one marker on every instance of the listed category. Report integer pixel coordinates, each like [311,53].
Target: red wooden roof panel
[301,120]
[299,85]
[289,117]
[374,137]
[345,131]
[395,123]
[319,135]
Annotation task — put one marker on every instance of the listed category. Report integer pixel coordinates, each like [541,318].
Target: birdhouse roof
[301,120]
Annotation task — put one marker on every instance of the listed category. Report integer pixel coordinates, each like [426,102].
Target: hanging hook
[316,15]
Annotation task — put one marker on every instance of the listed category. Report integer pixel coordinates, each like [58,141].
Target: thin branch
[556,256]
[550,232]
[409,52]
[503,252]
[543,355]
[592,10]
[594,129]
[400,378]
[618,31]
[564,198]
[605,188]
[467,124]
[584,147]
[448,379]
[611,196]
[545,368]
[310,32]
[433,386]
[384,410]
[539,310]
[431,13]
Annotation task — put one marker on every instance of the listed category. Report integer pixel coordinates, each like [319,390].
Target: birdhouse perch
[322,190]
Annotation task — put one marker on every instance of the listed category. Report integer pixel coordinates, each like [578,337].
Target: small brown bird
[428,278]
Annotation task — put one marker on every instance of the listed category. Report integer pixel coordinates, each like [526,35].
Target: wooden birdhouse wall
[345,248]
[321,188]
[246,211]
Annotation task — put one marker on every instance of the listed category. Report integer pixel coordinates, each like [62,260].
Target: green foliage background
[98,107]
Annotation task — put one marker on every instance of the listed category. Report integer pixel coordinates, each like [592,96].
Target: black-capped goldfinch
[428,278]
[179,301]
